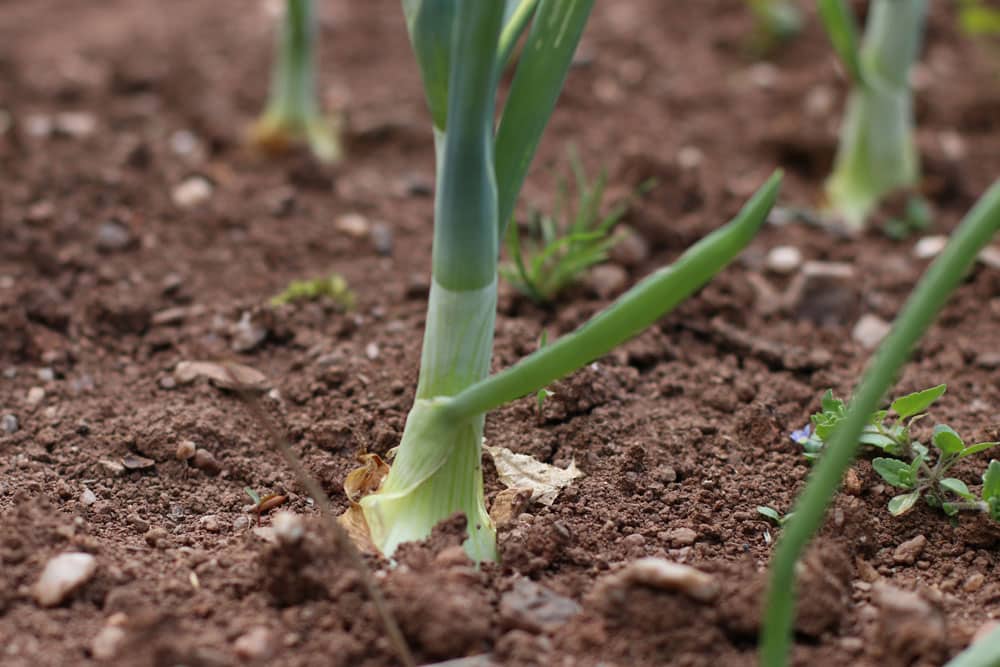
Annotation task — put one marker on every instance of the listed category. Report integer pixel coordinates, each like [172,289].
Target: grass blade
[923,305]
[516,17]
[841,26]
[554,34]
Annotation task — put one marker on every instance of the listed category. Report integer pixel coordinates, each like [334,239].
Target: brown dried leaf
[367,478]
[520,471]
[508,505]
[226,375]
[353,521]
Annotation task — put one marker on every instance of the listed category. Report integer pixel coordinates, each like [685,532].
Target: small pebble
[246,334]
[46,374]
[666,575]
[241,523]
[206,462]
[783,259]
[9,424]
[257,644]
[690,157]
[763,75]
[288,527]
[62,575]
[607,280]
[682,537]
[107,642]
[907,552]
[631,250]
[112,468]
[372,351]
[210,522]
[184,142]
[191,192]
[113,236]
[417,286]
[75,124]
[185,450]
[929,246]
[353,224]
[88,497]
[974,582]
[990,256]
[870,330]
[35,395]
[827,293]
[381,235]
[156,537]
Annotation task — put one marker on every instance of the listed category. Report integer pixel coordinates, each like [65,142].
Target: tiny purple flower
[802,435]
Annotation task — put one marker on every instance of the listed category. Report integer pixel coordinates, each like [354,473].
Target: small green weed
[332,287]
[916,468]
[559,252]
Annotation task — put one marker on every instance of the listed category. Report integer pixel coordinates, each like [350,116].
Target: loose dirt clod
[908,552]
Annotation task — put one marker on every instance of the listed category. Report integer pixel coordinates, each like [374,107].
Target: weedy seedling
[914,219]
[462,49]
[293,112]
[559,252]
[773,515]
[940,280]
[775,22]
[910,466]
[264,505]
[332,287]
[877,154]
[543,393]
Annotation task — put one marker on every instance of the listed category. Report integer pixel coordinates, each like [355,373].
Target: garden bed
[137,230]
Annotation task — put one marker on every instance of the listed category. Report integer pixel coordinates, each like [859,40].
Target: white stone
[107,642]
[35,395]
[353,224]
[288,527]
[88,497]
[62,575]
[667,575]
[929,246]
[784,259]
[990,256]
[76,124]
[191,192]
[257,644]
[185,450]
[870,330]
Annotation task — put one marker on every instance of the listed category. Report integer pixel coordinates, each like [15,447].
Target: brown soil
[686,427]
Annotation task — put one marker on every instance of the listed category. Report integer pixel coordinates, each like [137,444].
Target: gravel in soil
[138,233]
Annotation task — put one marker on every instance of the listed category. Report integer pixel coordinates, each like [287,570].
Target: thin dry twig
[343,540]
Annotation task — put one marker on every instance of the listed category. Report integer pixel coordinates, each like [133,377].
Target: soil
[106,284]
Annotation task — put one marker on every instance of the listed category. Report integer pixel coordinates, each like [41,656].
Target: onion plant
[877,154]
[941,279]
[461,48]
[293,113]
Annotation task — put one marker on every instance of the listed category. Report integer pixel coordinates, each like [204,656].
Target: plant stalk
[437,470]
[877,154]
